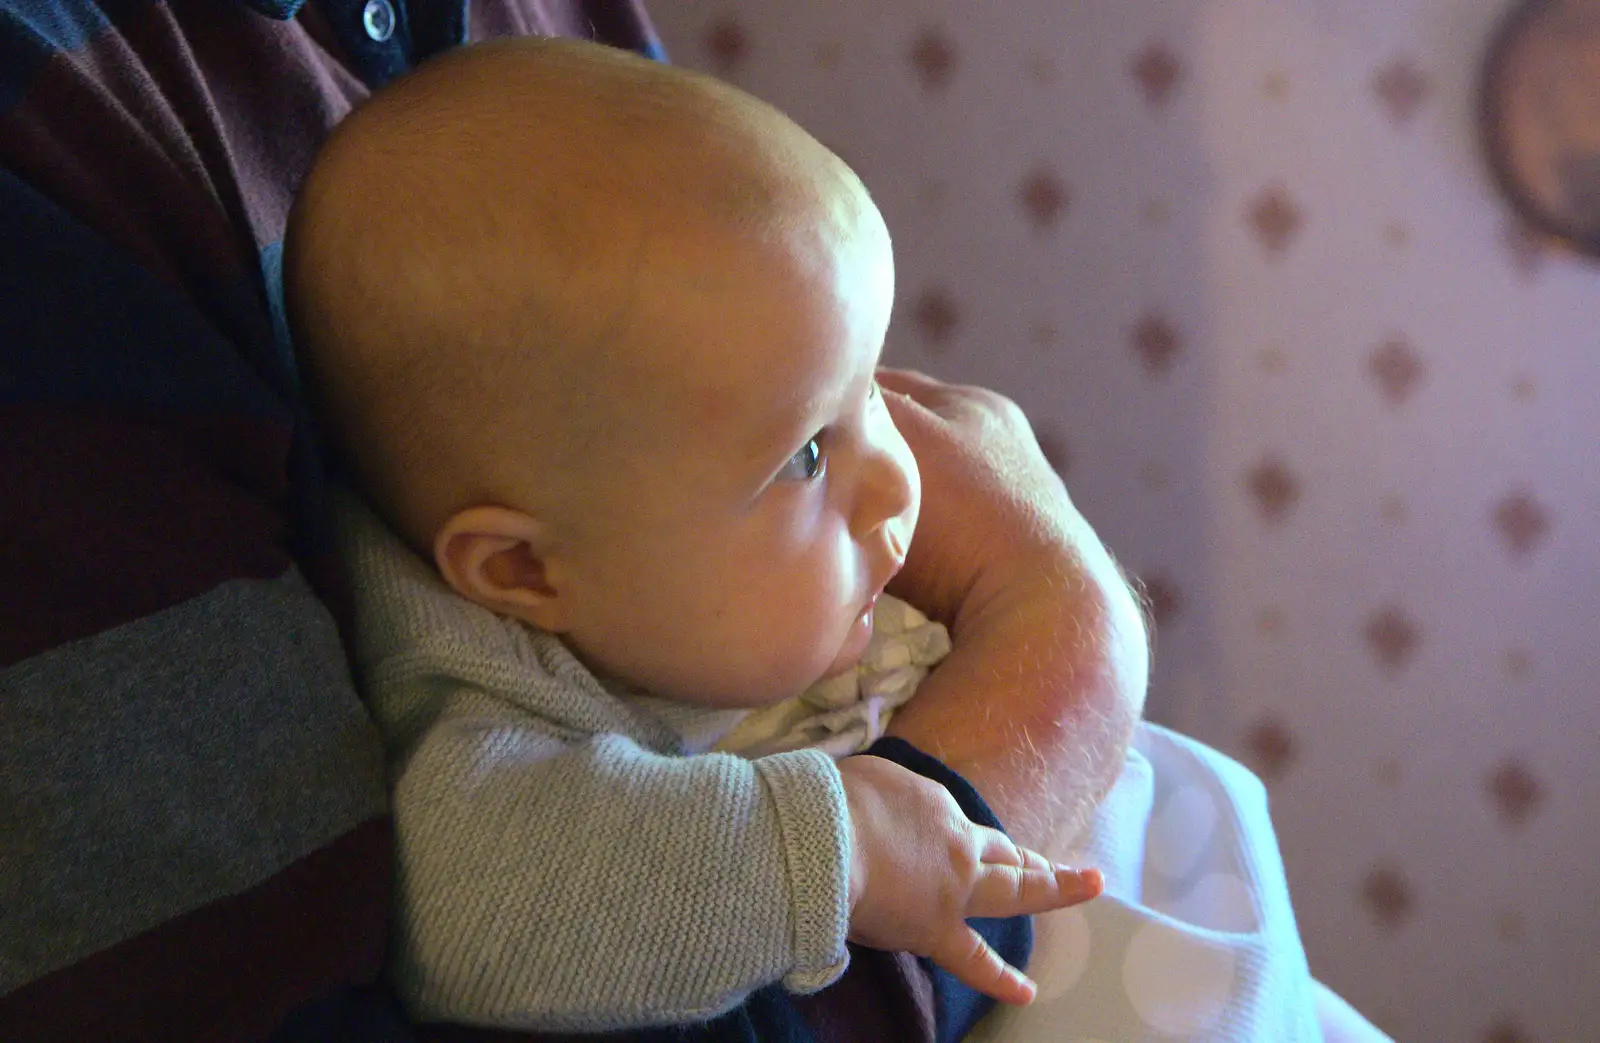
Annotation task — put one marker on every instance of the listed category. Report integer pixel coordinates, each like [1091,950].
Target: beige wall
[1241,264]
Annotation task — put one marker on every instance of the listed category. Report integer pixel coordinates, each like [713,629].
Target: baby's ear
[499,558]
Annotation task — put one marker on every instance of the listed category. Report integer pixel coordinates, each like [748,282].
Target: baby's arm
[595,885]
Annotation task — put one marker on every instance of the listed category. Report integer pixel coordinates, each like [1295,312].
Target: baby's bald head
[471,264]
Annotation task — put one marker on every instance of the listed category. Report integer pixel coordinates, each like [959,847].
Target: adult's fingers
[950,401]
[925,397]
[910,382]
[913,399]
[964,953]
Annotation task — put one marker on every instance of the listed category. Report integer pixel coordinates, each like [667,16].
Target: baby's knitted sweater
[563,864]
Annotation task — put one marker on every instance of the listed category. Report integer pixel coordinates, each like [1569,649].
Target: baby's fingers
[1038,887]
[965,954]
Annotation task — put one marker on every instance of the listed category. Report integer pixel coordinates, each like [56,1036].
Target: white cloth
[1194,938]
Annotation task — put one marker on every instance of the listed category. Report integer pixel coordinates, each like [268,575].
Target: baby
[598,339]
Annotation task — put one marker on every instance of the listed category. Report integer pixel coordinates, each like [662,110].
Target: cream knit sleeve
[596,885]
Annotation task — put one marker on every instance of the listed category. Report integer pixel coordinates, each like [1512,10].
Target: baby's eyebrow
[781,433]
[799,417]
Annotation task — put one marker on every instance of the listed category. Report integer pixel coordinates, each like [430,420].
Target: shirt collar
[283,10]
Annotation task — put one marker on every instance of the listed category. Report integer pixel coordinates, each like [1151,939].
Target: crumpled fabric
[845,714]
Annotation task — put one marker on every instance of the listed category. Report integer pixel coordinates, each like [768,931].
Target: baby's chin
[729,693]
[762,696]
[748,686]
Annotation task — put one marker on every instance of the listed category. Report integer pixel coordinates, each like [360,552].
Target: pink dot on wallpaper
[1515,792]
[936,317]
[1401,88]
[726,44]
[1275,85]
[1387,894]
[1270,621]
[1275,218]
[1274,487]
[1396,367]
[933,59]
[1158,70]
[1521,522]
[1156,342]
[1518,662]
[1042,197]
[1161,596]
[1392,637]
[1270,748]
[1506,1030]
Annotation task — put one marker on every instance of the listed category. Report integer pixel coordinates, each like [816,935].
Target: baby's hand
[920,867]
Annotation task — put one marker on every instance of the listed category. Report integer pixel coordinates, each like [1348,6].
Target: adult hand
[1038,698]
[920,868]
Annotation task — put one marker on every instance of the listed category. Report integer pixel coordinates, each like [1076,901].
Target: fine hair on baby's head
[598,337]
[470,263]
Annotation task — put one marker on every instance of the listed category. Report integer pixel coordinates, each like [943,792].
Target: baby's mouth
[855,641]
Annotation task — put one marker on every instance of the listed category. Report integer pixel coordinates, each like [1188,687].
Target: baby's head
[597,336]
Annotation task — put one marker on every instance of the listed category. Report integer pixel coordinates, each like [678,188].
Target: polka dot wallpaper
[1240,262]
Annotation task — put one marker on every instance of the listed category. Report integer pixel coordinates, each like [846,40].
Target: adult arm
[1038,698]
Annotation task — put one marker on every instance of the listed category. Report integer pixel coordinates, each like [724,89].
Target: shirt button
[378,18]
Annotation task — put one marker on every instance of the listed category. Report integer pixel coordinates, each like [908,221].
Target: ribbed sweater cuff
[815,824]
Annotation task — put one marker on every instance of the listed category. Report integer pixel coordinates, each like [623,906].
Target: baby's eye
[805,465]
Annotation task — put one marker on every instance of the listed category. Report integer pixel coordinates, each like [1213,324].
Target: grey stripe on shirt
[172,761]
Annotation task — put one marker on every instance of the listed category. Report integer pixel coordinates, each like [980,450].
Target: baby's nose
[889,498]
